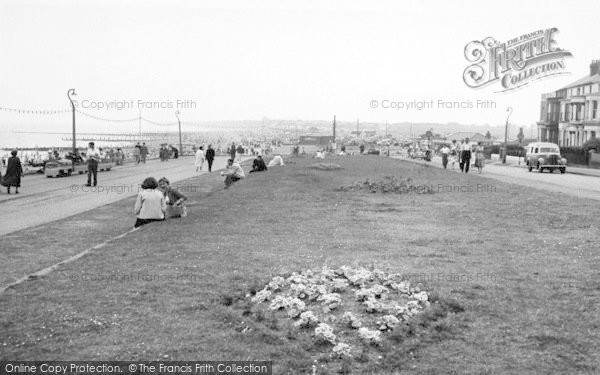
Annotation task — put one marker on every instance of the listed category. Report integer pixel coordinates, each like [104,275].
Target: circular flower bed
[343,308]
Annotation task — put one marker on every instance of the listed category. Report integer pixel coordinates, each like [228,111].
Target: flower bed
[326,166]
[343,309]
[389,184]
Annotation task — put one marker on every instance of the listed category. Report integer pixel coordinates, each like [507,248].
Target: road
[571,184]
[42,200]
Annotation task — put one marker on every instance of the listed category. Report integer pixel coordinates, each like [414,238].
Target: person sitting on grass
[234,173]
[258,165]
[174,199]
[277,160]
[150,204]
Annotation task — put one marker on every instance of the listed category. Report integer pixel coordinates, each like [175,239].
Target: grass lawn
[514,274]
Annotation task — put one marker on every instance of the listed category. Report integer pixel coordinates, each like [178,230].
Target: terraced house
[570,116]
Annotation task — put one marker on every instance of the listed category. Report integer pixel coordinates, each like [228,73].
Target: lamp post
[71,92]
[509,110]
[179,122]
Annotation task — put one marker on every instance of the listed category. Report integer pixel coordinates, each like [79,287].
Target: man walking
[232,151]
[466,155]
[93,157]
[445,151]
[137,151]
[143,152]
[210,157]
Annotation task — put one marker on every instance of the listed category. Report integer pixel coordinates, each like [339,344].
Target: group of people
[462,154]
[234,172]
[158,201]
[140,152]
[201,156]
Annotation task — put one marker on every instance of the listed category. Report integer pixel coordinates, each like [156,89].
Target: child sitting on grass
[150,203]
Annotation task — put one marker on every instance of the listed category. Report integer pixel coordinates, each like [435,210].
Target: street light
[71,92]
[509,110]
[179,122]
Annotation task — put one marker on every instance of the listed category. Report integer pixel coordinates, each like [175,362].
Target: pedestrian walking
[466,155]
[199,162]
[210,157]
[143,152]
[14,172]
[479,157]
[93,157]
[232,151]
[137,151]
[454,152]
[445,151]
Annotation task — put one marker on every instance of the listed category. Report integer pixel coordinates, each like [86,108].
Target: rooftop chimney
[595,67]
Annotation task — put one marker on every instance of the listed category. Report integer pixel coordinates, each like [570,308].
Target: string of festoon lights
[23,111]
[35,111]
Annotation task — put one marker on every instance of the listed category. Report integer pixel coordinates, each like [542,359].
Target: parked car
[544,155]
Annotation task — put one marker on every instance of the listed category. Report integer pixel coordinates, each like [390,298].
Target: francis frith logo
[515,63]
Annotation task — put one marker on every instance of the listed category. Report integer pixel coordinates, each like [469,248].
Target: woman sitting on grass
[150,204]
[174,199]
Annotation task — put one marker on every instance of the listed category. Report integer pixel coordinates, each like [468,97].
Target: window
[536,150]
[594,109]
[593,134]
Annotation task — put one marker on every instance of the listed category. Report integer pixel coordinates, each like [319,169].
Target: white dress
[199,159]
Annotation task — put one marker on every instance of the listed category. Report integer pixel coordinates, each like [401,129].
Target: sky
[249,59]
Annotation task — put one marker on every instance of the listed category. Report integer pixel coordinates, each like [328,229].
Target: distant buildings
[473,137]
[570,115]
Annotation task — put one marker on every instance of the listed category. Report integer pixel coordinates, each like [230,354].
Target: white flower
[364,294]
[331,300]
[276,283]
[350,319]
[261,296]
[314,291]
[324,331]
[339,285]
[402,287]
[307,319]
[387,322]
[328,272]
[371,337]
[378,290]
[358,277]
[422,296]
[279,302]
[342,350]
[372,305]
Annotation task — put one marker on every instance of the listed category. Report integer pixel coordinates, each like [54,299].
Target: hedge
[574,155]
[513,150]
[593,144]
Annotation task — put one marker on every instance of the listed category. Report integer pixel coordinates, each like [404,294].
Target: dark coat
[210,154]
[14,171]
